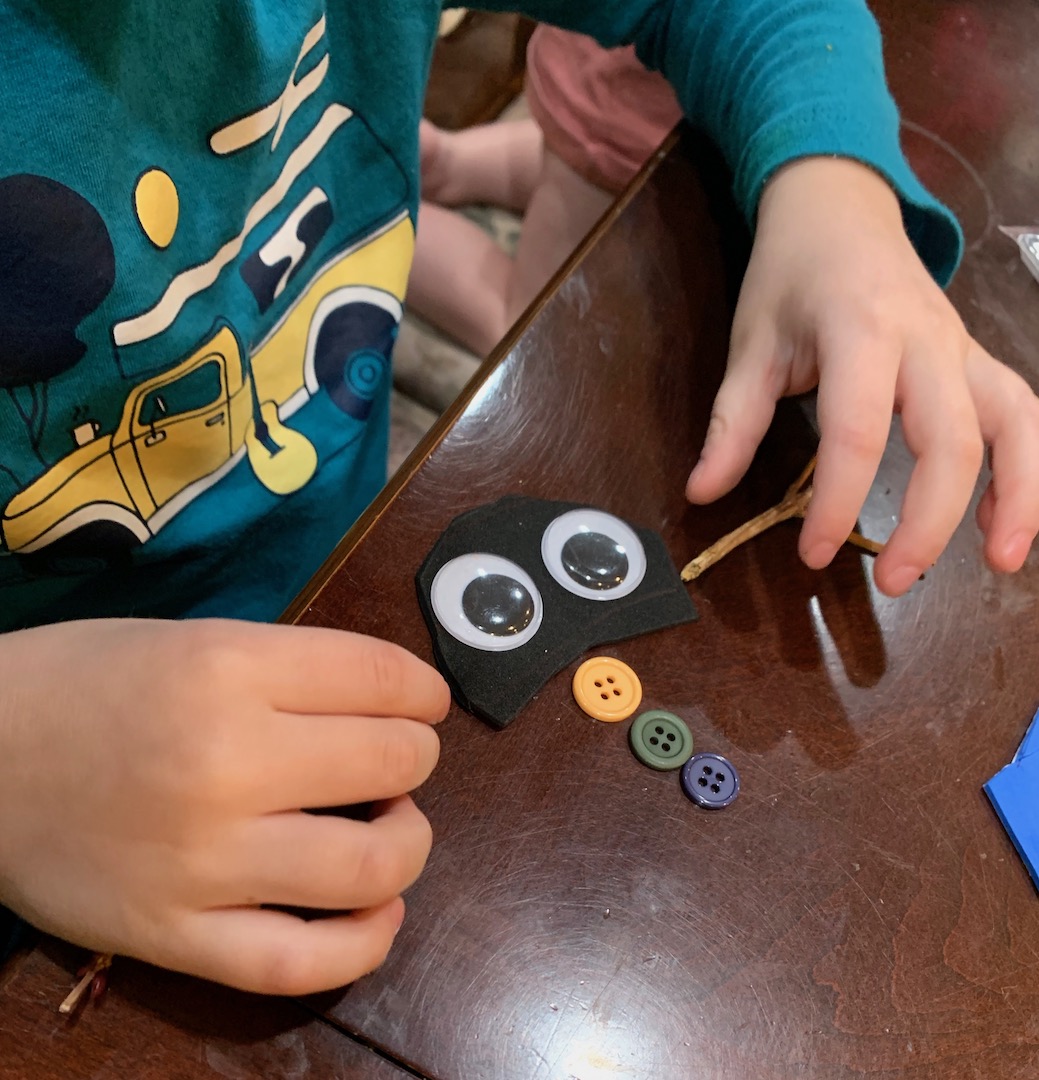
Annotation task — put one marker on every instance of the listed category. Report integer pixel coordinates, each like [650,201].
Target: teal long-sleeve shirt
[771,82]
[206,226]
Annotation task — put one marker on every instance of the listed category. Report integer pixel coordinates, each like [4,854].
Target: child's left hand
[835,294]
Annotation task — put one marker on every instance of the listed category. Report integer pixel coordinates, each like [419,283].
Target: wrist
[812,185]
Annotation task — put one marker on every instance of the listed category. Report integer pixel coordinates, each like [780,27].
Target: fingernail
[819,556]
[1016,550]
[901,579]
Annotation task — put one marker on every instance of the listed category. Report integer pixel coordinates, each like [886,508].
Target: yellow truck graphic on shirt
[182,431]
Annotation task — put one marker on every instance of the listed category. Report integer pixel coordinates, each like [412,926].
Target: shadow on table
[192,1005]
[818,628]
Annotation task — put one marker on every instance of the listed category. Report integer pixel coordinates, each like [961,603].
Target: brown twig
[93,978]
[793,505]
[871,547]
[799,483]
[787,509]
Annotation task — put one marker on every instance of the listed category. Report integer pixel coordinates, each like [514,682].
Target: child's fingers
[743,410]
[320,861]
[855,404]
[317,761]
[986,509]
[269,952]
[1009,416]
[301,669]
[334,672]
[941,429]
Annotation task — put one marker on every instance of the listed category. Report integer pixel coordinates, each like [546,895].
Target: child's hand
[835,294]
[151,780]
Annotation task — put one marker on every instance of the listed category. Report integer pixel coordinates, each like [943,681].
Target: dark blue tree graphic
[57,265]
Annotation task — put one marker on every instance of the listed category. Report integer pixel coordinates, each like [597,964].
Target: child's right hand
[877,335]
[151,780]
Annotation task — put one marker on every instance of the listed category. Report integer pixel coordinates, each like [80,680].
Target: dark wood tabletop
[858,911]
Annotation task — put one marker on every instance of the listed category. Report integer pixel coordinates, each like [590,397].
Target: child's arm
[835,293]
[151,780]
[772,81]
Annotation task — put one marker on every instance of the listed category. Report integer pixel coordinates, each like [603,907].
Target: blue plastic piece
[1030,743]
[1014,794]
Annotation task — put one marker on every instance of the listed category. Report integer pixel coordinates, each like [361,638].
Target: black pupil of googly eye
[498,605]
[595,560]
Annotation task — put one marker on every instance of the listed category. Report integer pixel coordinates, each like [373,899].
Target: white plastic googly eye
[486,602]
[594,555]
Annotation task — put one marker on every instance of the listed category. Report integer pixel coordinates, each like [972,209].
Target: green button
[661,740]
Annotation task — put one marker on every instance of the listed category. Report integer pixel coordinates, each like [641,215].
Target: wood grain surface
[156,1026]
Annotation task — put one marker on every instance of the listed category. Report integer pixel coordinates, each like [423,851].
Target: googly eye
[487,602]
[594,555]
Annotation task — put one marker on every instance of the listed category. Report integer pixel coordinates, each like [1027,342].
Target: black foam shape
[495,686]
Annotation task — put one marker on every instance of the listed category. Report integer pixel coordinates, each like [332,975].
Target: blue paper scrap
[1014,794]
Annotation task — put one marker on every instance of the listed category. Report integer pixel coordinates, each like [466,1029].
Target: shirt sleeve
[772,81]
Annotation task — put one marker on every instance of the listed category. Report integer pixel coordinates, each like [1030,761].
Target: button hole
[659,730]
[617,693]
[715,788]
[598,683]
[605,697]
[654,741]
[609,679]
[702,782]
[720,778]
[707,770]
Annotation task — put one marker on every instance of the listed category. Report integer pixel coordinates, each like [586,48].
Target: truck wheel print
[351,343]
[90,549]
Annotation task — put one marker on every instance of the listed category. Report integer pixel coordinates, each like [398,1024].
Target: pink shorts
[599,109]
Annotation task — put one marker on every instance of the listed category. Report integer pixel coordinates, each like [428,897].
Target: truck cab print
[180,432]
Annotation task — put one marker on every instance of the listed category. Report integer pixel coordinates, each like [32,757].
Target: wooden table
[858,912]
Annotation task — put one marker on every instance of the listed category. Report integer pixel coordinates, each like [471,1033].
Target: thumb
[742,412]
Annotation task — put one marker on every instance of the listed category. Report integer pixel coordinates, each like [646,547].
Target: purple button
[710,780]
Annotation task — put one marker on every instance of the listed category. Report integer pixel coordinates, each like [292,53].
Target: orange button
[607,689]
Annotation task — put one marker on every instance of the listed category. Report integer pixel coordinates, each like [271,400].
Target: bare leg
[463,283]
[562,210]
[496,164]
[459,279]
